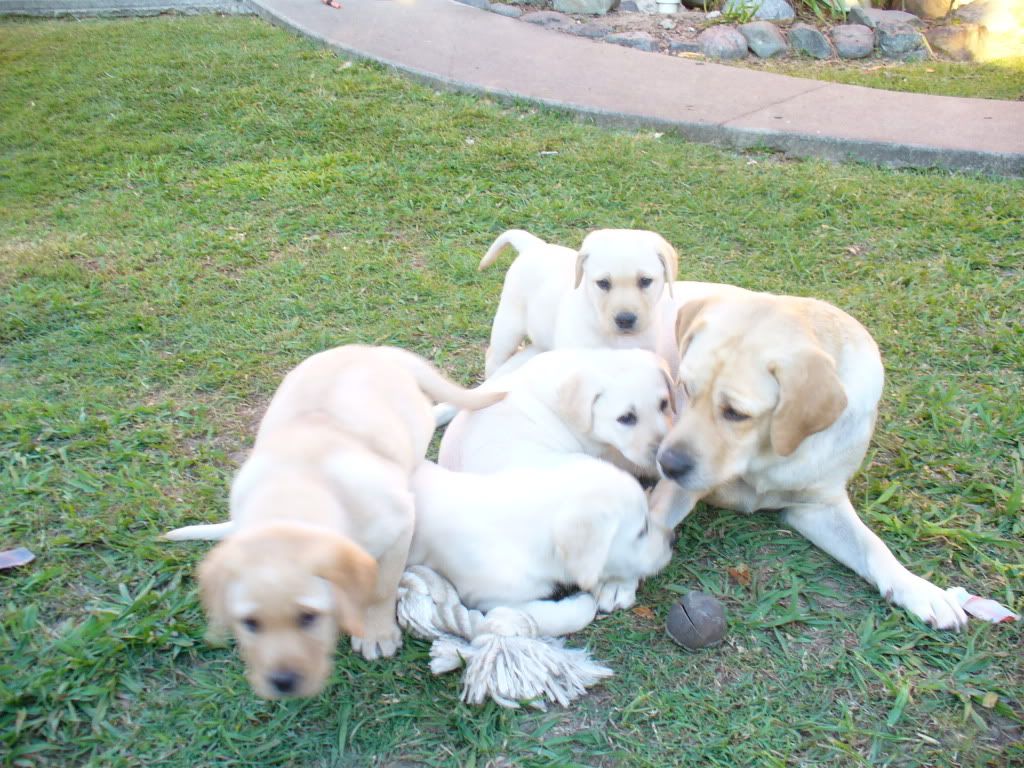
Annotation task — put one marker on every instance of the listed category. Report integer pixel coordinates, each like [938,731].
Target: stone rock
[591,7]
[550,19]
[872,17]
[763,38]
[591,29]
[808,40]
[667,24]
[901,41]
[959,42]
[853,41]
[511,11]
[974,12]
[927,9]
[481,4]
[639,40]
[769,10]
[683,46]
[629,6]
[722,42]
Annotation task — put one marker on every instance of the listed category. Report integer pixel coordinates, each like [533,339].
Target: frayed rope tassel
[504,658]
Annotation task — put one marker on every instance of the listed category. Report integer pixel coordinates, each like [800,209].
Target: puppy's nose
[284,681]
[625,320]
[675,464]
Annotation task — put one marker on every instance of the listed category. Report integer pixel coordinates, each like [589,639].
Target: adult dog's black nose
[675,464]
[625,320]
[284,681]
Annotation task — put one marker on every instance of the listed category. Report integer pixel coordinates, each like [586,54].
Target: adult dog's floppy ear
[582,543]
[575,402]
[352,574]
[581,259]
[669,261]
[213,575]
[686,324]
[811,398]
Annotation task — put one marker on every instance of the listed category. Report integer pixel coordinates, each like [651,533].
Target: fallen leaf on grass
[643,612]
[740,574]
[989,700]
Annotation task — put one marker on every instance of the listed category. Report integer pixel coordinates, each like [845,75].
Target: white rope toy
[505,660]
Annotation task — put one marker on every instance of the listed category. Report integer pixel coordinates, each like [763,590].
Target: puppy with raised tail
[322,515]
[780,399]
[606,294]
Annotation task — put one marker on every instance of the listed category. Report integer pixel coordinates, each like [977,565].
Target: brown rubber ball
[697,621]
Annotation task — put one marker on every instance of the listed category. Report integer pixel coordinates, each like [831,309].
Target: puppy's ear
[669,261]
[213,576]
[670,384]
[576,397]
[582,542]
[686,324]
[581,260]
[811,398]
[352,574]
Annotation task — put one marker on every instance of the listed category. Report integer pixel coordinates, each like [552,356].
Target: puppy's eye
[306,619]
[731,414]
[251,624]
[645,282]
[664,406]
[627,419]
[604,284]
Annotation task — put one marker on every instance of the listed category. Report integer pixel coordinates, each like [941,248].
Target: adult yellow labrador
[780,399]
[322,515]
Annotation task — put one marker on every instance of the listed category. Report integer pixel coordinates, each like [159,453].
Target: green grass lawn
[189,206]
[1002,79]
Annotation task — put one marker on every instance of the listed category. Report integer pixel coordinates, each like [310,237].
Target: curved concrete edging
[417,39]
[119,8]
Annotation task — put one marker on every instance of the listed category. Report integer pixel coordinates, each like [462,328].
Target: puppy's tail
[519,239]
[208,532]
[438,387]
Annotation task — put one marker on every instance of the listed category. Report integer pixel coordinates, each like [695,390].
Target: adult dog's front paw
[379,644]
[930,604]
[613,595]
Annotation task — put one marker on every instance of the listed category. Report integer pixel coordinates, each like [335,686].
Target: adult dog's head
[284,590]
[757,383]
[618,399]
[623,273]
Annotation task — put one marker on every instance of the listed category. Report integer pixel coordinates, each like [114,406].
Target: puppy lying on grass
[528,469]
[322,515]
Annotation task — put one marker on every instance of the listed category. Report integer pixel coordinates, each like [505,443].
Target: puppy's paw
[614,595]
[378,645]
[932,605]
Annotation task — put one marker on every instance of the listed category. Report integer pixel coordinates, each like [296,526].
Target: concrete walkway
[454,45]
[457,46]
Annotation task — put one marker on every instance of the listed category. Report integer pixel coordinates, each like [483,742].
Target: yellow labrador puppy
[781,395]
[615,404]
[322,515]
[514,537]
[606,294]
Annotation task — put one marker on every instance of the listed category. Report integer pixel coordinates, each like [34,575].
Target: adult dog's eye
[664,406]
[645,282]
[627,419]
[251,624]
[306,619]
[731,414]
[604,284]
